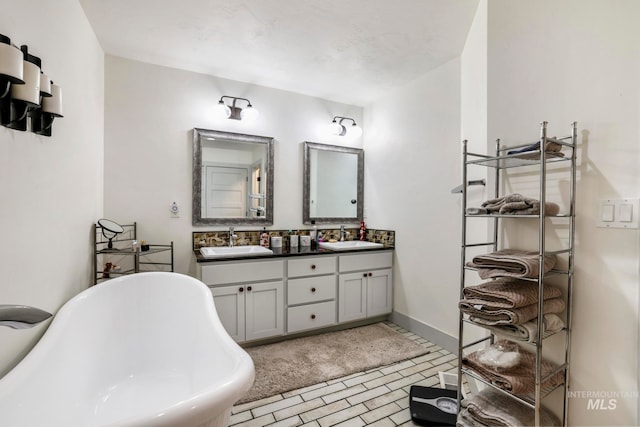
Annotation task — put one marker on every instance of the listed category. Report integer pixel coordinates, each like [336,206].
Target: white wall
[569,60]
[51,188]
[412,162]
[150,112]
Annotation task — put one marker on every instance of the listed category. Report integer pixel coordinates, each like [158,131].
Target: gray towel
[517,204]
[511,263]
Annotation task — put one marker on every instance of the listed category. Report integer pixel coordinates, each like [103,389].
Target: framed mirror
[232,178]
[333,184]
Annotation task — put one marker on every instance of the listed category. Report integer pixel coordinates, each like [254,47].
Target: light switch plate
[619,213]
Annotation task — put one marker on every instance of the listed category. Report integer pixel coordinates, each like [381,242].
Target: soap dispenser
[313,234]
[264,238]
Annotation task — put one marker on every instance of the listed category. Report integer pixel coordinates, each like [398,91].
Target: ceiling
[349,51]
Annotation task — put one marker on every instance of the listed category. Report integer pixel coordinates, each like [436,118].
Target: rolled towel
[511,263]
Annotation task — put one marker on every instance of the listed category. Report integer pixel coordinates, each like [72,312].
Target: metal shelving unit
[122,250]
[501,162]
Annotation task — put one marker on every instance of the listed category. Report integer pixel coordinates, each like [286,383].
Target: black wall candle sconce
[26,92]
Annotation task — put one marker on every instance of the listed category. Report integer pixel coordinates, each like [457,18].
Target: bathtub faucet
[21,316]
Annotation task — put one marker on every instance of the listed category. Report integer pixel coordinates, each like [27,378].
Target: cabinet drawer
[240,272]
[311,289]
[311,316]
[311,266]
[365,261]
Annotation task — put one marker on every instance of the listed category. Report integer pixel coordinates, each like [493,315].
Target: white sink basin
[235,251]
[349,245]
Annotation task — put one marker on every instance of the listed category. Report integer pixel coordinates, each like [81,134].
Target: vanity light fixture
[248,113]
[337,128]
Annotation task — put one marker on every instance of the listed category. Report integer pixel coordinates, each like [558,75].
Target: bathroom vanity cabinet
[311,292]
[364,286]
[265,298]
[249,297]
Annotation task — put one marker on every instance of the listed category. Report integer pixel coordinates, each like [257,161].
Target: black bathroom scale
[431,406]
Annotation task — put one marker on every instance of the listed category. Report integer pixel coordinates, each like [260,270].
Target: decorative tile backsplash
[221,238]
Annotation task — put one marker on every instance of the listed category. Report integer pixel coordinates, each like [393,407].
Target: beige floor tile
[298,409]
[340,416]
[333,388]
[381,412]
[240,417]
[343,394]
[324,411]
[385,399]
[363,378]
[265,420]
[368,395]
[275,406]
[250,405]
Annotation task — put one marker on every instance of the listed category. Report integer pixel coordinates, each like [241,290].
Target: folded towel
[511,263]
[528,331]
[519,380]
[506,292]
[489,407]
[517,204]
[510,316]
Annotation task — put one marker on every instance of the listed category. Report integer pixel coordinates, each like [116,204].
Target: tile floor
[379,397]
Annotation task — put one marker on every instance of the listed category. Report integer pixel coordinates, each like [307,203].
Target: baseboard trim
[427,332]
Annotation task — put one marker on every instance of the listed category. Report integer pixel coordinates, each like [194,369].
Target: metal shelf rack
[122,250]
[500,162]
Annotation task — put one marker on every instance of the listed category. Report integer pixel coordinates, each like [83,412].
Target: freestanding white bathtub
[141,350]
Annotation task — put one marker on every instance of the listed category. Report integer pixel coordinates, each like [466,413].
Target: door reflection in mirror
[232,178]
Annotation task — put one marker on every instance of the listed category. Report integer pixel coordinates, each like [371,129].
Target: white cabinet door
[352,297]
[229,302]
[379,292]
[264,306]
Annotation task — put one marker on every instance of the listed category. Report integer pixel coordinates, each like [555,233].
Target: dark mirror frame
[198,135]
[306,185]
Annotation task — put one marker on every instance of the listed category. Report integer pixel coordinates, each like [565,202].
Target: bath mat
[302,362]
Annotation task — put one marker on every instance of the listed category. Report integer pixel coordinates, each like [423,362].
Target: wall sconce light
[223,110]
[26,91]
[337,128]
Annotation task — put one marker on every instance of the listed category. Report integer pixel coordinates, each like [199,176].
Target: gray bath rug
[302,362]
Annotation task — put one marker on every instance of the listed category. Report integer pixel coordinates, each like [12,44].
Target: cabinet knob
[370,274]
[364,274]
[313,289]
[313,266]
[313,317]
[248,288]
[241,289]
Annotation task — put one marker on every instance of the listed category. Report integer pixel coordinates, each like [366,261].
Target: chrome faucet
[232,236]
[21,316]
[342,233]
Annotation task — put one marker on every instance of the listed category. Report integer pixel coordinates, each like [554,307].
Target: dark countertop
[286,252]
